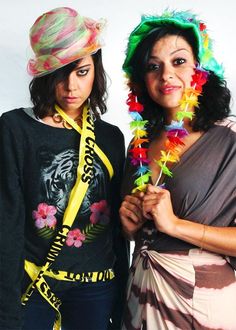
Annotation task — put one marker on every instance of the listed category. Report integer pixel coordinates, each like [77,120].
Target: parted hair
[42,89]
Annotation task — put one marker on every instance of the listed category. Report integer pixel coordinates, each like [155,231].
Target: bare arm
[157,206]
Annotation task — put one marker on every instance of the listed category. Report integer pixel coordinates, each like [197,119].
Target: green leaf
[46,232]
[92,231]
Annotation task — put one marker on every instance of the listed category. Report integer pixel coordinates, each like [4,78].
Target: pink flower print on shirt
[75,237]
[44,216]
[100,213]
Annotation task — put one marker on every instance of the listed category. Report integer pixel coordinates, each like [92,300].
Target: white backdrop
[17,16]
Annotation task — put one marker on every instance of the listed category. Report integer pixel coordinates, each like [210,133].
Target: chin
[169,102]
[171,106]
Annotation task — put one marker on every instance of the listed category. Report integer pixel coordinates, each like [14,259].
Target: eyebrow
[82,66]
[178,50]
[175,51]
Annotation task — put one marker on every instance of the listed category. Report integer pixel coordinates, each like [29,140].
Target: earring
[91,113]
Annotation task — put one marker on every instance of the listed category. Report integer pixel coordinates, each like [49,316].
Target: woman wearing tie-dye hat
[180,182]
[63,259]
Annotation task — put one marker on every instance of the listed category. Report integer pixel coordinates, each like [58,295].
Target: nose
[71,82]
[167,72]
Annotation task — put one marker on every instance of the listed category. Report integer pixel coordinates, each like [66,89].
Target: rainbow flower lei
[175,132]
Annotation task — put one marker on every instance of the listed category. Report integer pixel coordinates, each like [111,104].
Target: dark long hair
[214,103]
[42,89]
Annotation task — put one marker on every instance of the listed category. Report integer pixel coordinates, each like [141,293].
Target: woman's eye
[82,72]
[179,61]
[153,67]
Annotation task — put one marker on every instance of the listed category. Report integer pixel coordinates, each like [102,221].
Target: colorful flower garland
[175,132]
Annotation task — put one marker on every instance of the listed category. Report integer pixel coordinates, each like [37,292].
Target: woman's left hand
[157,206]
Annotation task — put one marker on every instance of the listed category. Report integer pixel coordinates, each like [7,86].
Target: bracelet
[202,239]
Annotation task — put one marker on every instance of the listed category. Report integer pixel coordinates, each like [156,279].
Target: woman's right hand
[131,213]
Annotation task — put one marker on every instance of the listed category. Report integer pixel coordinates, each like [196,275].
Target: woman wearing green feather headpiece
[180,183]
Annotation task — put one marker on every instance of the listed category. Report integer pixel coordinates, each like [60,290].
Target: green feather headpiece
[183,20]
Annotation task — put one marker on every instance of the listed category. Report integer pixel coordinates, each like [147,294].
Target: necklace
[57,118]
[175,132]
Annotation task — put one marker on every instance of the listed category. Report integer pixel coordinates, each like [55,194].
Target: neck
[73,113]
[170,115]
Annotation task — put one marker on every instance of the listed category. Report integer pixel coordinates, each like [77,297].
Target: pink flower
[75,237]
[44,216]
[100,212]
[180,132]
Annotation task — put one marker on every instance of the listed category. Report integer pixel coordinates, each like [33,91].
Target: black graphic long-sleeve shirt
[38,166]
